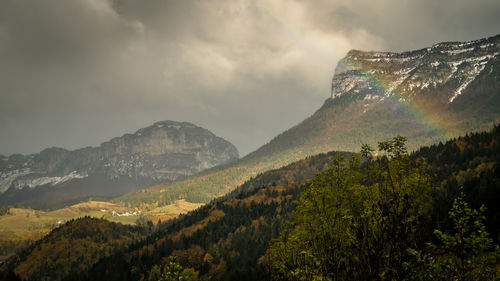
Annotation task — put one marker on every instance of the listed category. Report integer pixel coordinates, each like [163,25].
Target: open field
[19,227]
[170,211]
[21,222]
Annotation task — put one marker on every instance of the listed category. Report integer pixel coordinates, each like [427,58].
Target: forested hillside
[70,249]
[224,239]
[289,177]
[386,220]
[470,164]
[406,201]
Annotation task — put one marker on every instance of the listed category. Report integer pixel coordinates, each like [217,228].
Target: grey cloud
[76,73]
[410,24]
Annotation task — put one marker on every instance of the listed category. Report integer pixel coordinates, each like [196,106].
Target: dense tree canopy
[363,221]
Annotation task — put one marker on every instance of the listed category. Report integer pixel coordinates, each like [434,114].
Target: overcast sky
[75,73]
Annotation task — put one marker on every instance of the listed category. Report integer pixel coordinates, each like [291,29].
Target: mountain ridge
[450,58]
[164,151]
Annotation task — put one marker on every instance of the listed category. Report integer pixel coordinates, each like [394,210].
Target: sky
[78,73]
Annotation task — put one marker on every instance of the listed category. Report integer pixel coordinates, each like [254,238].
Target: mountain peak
[175,124]
[169,125]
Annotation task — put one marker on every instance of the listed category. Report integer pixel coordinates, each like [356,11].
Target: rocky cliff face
[448,89]
[442,72]
[164,151]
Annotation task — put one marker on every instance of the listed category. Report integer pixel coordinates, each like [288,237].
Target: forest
[380,214]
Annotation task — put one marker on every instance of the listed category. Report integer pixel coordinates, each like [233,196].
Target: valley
[21,226]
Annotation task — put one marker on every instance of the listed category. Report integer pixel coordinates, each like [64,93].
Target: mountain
[428,95]
[228,238]
[165,151]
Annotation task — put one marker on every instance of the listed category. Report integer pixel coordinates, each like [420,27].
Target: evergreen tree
[171,270]
[466,253]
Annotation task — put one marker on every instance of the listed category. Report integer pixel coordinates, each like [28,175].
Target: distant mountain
[427,95]
[165,151]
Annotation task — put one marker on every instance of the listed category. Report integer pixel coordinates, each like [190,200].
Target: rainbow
[428,118]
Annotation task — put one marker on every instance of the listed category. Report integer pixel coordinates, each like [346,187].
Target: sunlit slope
[217,181]
[338,125]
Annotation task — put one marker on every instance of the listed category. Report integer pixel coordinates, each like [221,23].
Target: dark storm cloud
[76,73]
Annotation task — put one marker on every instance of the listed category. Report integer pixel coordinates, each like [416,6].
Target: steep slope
[427,95]
[165,151]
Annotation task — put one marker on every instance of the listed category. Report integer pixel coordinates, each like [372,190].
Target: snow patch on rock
[8,177]
[31,183]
